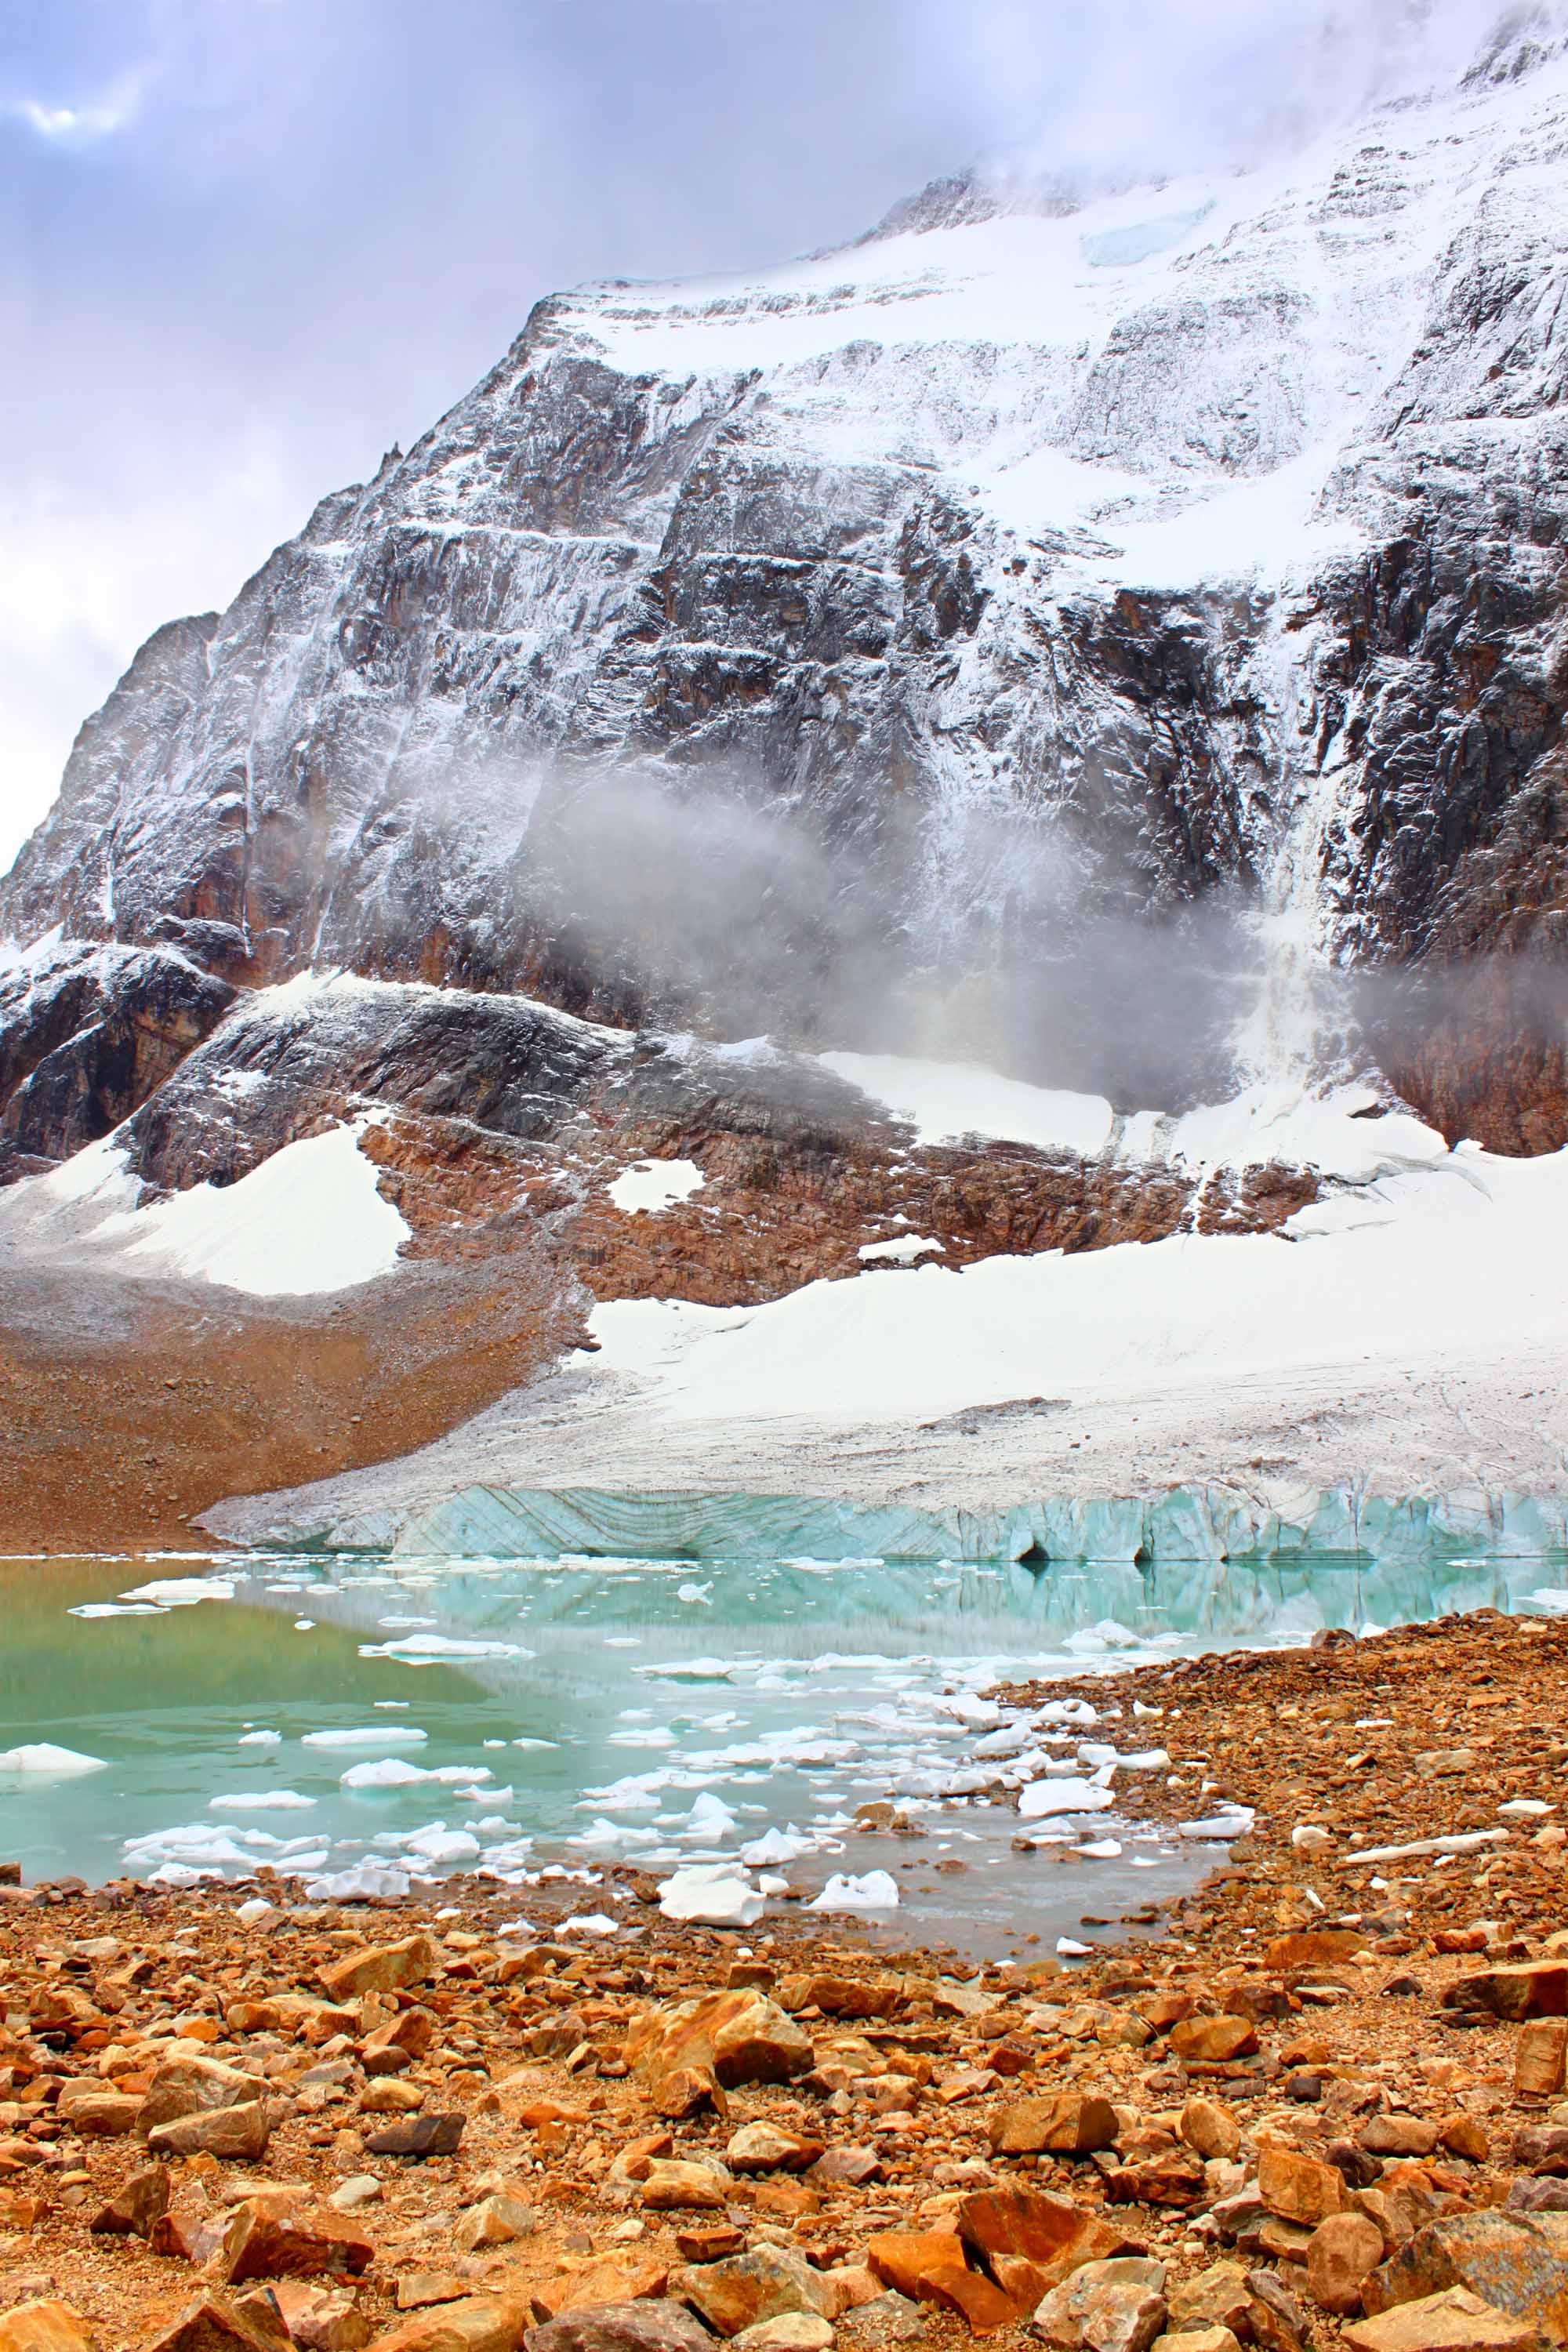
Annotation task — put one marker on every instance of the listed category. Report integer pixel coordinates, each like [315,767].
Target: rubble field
[1327,2104]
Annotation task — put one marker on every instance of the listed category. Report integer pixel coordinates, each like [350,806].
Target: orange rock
[1298,2187]
[1050,2233]
[1343,2252]
[44,2326]
[984,2304]
[1539,1989]
[381,1967]
[1214,2040]
[1313,1947]
[1072,2123]
[1454,2321]
[259,2244]
[908,2259]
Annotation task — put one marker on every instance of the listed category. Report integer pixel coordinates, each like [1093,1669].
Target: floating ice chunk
[385,1772]
[46,1762]
[475,1795]
[1102,1850]
[183,1592]
[429,1649]
[877,1890]
[777,1845]
[304,1625]
[536,1743]
[372,1735]
[261,1739]
[1072,1795]
[773,1886]
[698,1593]
[438,1843]
[262,1801]
[207,1843]
[1067,1710]
[252,1913]
[690,1670]
[714,1895]
[366,1882]
[179,1874]
[1072,1950]
[1550,1596]
[115,1609]
[710,1817]
[590,1923]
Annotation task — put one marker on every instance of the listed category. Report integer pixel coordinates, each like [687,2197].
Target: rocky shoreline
[1324,2105]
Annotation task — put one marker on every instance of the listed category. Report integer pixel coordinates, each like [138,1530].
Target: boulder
[321,2319]
[479,2323]
[213,2323]
[739,2036]
[1110,2306]
[1538,1989]
[768,2148]
[840,1996]
[135,2206]
[908,2259]
[614,2278]
[263,2243]
[99,2115]
[1539,2058]
[44,2326]
[498,2220]
[1397,2134]
[380,1967]
[1313,1947]
[1068,2123]
[1513,2262]
[1298,2187]
[1214,2040]
[418,2136]
[1341,2255]
[193,2086]
[1051,2232]
[236,2135]
[1211,2130]
[1216,2297]
[792,2331]
[642,2327]
[674,2187]
[748,2289]
[1454,2321]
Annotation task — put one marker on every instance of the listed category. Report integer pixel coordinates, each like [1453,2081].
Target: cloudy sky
[246,245]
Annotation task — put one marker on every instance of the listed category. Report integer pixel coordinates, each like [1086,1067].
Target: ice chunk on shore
[1070,1795]
[364,1882]
[710,1894]
[876,1890]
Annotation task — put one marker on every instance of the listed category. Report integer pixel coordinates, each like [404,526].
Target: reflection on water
[574,1712]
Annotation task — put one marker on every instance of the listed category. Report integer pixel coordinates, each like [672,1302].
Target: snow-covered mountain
[1204,537]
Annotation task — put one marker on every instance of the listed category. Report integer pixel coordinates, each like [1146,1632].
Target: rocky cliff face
[1037,568]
